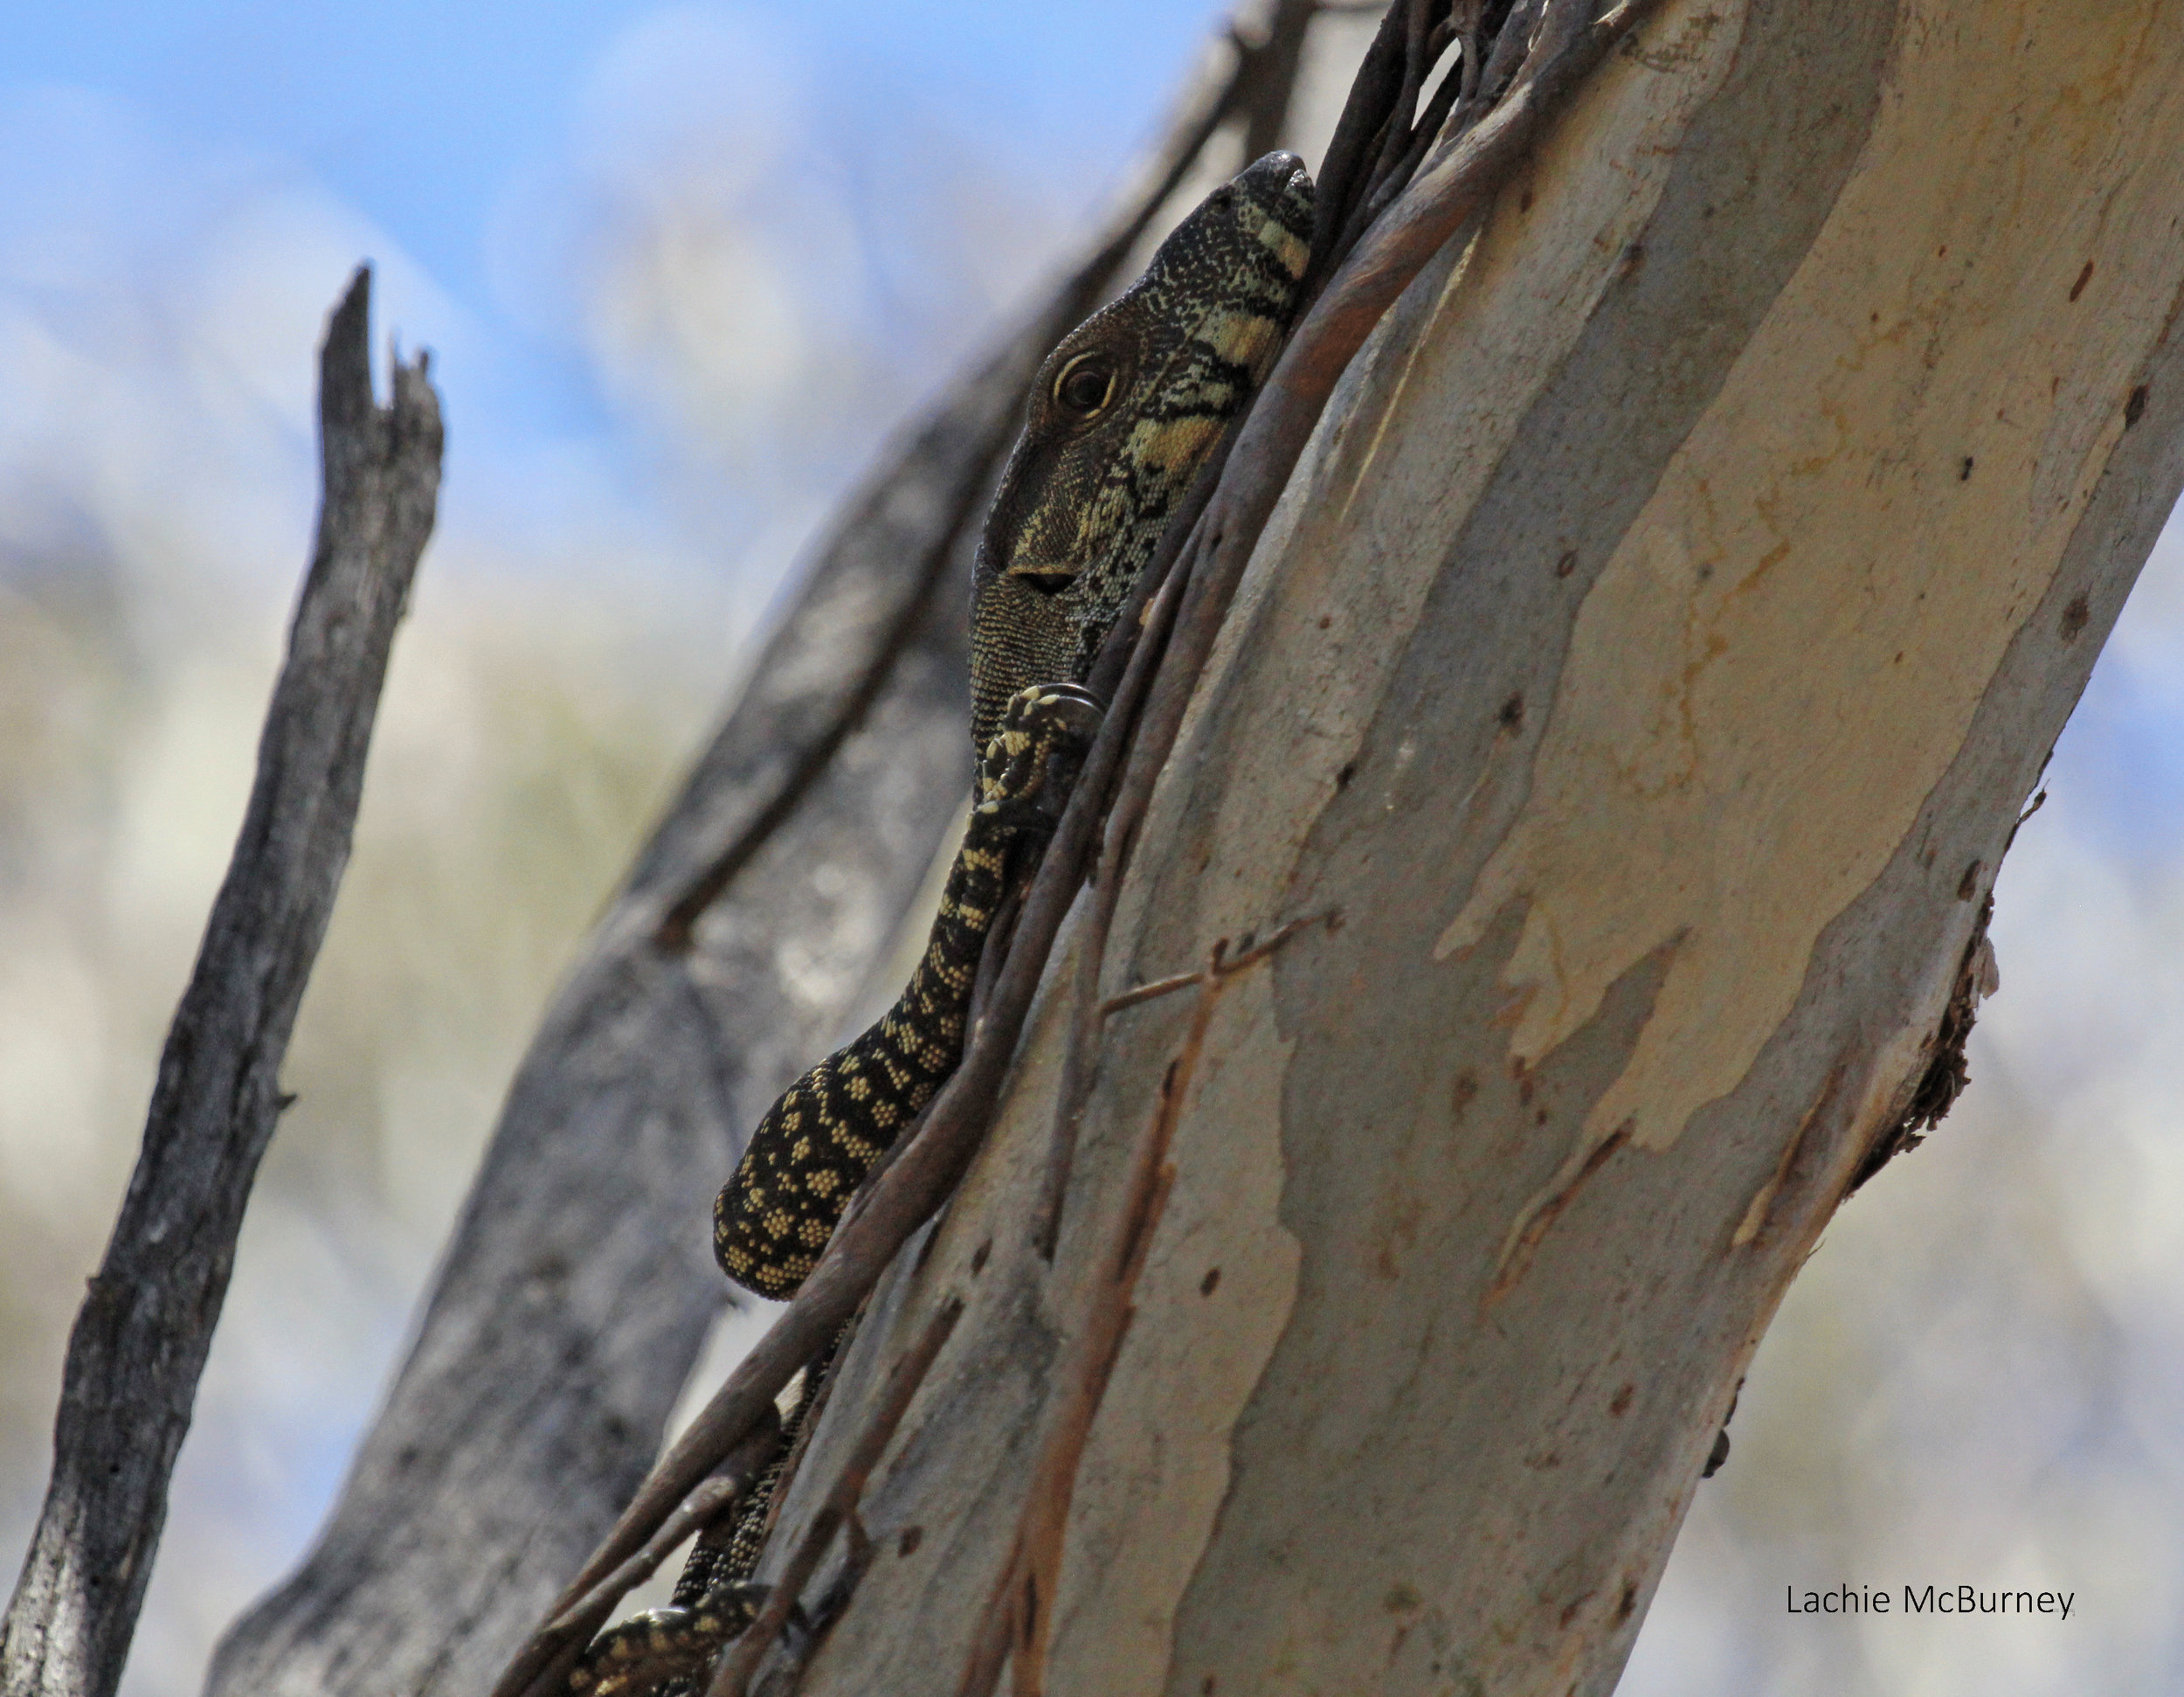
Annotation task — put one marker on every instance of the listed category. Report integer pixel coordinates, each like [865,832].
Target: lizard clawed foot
[663,1648]
[1032,761]
[742,1601]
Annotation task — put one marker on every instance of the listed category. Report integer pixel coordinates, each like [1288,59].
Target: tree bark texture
[1644,676]
[580,1282]
[139,1342]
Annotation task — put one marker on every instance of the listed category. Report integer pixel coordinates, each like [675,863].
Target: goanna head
[1121,417]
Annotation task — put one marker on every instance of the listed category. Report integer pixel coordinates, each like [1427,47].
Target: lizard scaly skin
[1120,419]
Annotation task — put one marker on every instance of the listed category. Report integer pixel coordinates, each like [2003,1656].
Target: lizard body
[1121,416]
[1120,419]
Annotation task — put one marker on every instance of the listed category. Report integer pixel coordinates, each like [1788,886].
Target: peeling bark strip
[1672,447]
[840,1510]
[139,1342]
[1946,1072]
[1018,1621]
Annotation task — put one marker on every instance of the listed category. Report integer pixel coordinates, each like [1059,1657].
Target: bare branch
[139,1341]
[543,1664]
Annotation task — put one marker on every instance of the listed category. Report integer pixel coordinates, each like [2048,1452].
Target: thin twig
[798,1647]
[704,1505]
[139,1342]
[1417,32]
[1152,992]
[996,950]
[1343,169]
[1511,46]
[1393,142]
[1430,122]
[1167,986]
[1470,64]
[1077,1062]
[816,1392]
[726,1487]
[733,1678]
[547,1659]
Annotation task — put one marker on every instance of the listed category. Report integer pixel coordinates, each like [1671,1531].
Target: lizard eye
[1086,385]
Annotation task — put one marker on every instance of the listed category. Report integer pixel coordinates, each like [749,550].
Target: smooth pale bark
[1646,670]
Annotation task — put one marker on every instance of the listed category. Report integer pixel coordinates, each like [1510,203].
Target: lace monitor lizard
[1120,418]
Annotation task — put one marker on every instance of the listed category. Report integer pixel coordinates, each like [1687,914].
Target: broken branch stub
[139,1342]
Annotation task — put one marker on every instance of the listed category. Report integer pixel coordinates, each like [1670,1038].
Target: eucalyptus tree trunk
[1641,681]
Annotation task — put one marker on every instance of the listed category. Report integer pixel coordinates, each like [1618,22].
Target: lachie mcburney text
[1928,1600]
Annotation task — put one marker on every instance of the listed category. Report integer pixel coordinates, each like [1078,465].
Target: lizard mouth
[1047,576]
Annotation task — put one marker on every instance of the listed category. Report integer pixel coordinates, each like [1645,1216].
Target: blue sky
[422,112]
[425,118]
[683,265]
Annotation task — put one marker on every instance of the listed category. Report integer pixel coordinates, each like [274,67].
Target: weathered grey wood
[580,1281]
[139,1341]
[1647,668]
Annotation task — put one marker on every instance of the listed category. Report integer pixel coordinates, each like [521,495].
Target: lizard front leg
[818,1141]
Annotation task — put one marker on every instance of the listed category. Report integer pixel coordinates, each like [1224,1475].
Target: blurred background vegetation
[681,269]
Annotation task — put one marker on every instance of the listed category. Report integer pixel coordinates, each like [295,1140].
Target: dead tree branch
[139,1341]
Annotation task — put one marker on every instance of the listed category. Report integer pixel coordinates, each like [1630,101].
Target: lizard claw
[1031,763]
